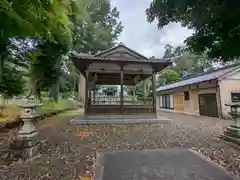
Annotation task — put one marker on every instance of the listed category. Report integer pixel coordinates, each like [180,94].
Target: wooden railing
[115,100]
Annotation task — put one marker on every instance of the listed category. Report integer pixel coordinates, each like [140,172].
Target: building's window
[235,97]
[166,101]
[186,95]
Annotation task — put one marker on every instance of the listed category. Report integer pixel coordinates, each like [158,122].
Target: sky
[143,37]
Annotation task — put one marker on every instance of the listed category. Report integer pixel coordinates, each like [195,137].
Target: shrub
[12,113]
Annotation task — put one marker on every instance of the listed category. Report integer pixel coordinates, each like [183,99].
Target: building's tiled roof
[206,76]
[90,57]
[121,45]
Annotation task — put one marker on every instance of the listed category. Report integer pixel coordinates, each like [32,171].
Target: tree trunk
[37,91]
[38,94]
[30,93]
[3,49]
[54,92]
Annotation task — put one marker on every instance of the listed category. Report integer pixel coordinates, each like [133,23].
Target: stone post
[232,133]
[27,143]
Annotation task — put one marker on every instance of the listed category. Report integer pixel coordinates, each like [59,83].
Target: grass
[76,112]
[52,106]
[59,105]
[12,112]
[3,120]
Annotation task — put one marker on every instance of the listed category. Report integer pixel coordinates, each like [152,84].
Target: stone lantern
[27,143]
[232,132]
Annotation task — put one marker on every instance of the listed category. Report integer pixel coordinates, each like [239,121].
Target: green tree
[100,31]
[51,29]
[190,63]
[12,83]
[185,64]
[216,24]
[141,87]
[52,52]
[30,18]
[168,76]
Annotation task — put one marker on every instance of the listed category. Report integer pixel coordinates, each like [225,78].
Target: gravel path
[71,149]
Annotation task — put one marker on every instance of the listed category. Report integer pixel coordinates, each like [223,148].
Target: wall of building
[179,102]
[228,85]
[191,106]
[158,102]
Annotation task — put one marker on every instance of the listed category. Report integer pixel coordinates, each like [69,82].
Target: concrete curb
[214,164]
[81,114]
[99,168]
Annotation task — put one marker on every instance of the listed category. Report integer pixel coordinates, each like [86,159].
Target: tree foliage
[100,32]
[216,24]
[168,76]
[185,64]
[44,22]
[142,87]
[13,83]
[39,34]
[188,62]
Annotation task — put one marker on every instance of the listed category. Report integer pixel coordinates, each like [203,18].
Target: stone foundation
[23,142]
[24,154]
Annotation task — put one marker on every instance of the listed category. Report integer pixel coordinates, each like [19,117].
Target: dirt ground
[71,149]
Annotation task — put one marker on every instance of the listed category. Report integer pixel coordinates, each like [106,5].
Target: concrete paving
[161,164]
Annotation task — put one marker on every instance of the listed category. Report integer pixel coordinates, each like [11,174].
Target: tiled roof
[90,57]
[200,78]
[121,45]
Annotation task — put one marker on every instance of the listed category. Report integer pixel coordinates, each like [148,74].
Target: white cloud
[142,36]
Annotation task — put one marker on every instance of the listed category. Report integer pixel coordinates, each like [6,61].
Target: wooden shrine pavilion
[117,66]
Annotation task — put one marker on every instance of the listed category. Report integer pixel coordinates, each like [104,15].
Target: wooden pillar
[154,92]
[144,91]
[134,94]
[94,94]
[81,89]
[90,95]
[121,92]
[86,93]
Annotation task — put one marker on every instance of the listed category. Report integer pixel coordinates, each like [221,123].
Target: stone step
[134,116]
[232,133]
[233,129]
[119,121]
[230,138]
